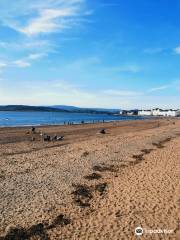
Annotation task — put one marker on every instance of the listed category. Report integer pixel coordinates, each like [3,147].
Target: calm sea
[10,119]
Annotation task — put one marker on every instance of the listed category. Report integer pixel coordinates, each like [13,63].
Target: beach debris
[59,220]
[165,140]
[104,168]
[82,195]
[138,157]
[147,151]
[15,233]
[2,174]
[19,233]
[37,230]
[93,176]
[101,188]
[102,131]
[85,154]
[119,214]
[82,191]
[160,143]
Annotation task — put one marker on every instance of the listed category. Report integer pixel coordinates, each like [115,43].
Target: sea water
[10,119]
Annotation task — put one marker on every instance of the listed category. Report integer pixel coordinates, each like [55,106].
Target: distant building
[160,112]
[145,112]
[178,113]
[128,112]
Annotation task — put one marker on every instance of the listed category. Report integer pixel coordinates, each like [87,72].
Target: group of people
[83,122]
[45,137]
[48,138]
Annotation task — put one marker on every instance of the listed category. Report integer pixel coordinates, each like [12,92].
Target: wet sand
[90,186]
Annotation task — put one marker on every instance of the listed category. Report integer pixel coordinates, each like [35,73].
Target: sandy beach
[91,186]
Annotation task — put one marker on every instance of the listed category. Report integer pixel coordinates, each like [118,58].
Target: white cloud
[177,50]
[35,56]
[26,62]
[127,68]
[28,44]
[122,93]
[3,65]
[21,63]
[48,21]
[159,88]
[42,16]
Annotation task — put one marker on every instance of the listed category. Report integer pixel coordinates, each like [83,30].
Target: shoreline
[142,118]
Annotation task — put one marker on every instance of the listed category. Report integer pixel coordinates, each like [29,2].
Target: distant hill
[64,107]
[57,108]
[78,109]
[25,108]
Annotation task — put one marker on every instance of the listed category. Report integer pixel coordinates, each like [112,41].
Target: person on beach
[103,131]
[33,129]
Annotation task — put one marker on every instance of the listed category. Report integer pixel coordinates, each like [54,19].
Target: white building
[164,113]
[178,113]
[159,112]
[145,112]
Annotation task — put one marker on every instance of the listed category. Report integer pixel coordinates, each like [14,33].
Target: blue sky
[90,53]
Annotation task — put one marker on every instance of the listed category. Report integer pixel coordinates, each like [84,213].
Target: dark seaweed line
[38,230]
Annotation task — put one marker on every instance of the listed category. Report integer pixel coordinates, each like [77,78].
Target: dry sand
[91,186]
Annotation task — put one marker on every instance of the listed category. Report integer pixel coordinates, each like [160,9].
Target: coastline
[133,118]
[18,119]
[39,179]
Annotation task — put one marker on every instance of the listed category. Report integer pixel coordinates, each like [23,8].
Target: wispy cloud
[133,68]
[43,17]
[3,65]
[21,63]
[109,4]
[28,45]
[49,20]
[35,56]
[27,61]
[122,93]
[159,88]
[176,50]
